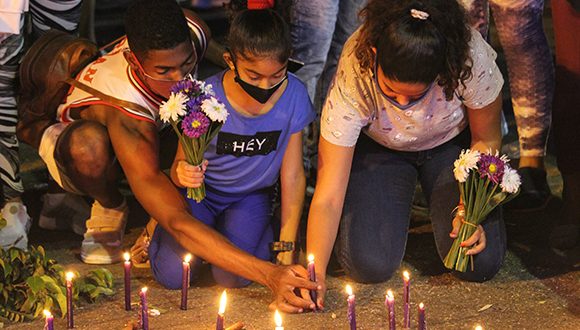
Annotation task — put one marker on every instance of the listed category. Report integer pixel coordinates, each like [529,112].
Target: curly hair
[410,49]
[155,24]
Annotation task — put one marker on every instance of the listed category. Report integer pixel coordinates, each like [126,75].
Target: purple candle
[390,303]
[421,319]
[351,314]
[48,321]
[185,281]
[69,301]
[144,309]
[219,324]
[406,299]
[127,268]
[312,277]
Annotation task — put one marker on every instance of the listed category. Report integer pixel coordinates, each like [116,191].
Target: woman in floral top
[420,85]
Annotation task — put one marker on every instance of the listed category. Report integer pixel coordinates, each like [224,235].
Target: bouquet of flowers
[196,115]
[485,180]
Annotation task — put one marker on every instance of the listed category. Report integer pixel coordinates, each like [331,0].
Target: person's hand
[190,176]
[285,258]
[477,240]
[282,280]
[320,292]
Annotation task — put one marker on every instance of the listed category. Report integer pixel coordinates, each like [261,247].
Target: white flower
[214,109]
[466,162]
[173,108]
[510,183]
[207,89]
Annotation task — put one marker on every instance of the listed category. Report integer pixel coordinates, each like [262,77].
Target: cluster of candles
[220,321]
[390,305]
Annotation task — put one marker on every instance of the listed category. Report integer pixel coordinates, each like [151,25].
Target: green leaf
[61,301]
[3,222]
[35,283]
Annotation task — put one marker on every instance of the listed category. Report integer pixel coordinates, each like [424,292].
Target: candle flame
[349,289]
[478,327]
[187,258]
[311,257]
[421,306]
[390,295]
[223,301]
[47,313]
[278,319]
[144,289]
[406,275]
[127,256]
[69,276]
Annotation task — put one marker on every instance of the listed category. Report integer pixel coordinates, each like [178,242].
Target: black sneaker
[534,192]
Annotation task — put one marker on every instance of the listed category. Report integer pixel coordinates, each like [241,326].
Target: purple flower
[491,167]
[194,103]
[184,86]
[195,124]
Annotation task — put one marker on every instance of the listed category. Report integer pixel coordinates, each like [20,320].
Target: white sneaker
[64,211]
[15,232]
[104,235]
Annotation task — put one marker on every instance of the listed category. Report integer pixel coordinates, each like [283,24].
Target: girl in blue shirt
[260,142]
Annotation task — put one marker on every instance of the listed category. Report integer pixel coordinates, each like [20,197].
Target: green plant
[30,282]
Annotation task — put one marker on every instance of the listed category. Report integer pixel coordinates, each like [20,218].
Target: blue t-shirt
[247,153]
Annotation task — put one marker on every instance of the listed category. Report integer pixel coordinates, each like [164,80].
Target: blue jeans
[319,30]
[244,220]
[375,221]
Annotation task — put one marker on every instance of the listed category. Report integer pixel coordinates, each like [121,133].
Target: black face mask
[259,94]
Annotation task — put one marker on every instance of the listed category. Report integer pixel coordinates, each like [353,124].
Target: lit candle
[127,268]
[421,317]
[144,309]
[312,277]
[406,299]
[185,281]
[278,320]
[219,324]
[69,301]
[48,321]
[390,302]
[478,327]
[351,308]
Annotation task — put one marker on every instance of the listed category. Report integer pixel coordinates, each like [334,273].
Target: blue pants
[375,221]
[244,220]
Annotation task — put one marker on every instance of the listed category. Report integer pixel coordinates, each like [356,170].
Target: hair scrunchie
[260,4]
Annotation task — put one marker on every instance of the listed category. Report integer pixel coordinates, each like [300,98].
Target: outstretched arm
[293,184]
[137,147]
[334,163]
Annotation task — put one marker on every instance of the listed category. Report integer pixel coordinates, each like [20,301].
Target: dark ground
[537,288]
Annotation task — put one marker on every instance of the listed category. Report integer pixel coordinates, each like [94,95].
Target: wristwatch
[281,246]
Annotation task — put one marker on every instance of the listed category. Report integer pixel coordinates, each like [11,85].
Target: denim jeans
[244,220]
[319,30]
[375,221]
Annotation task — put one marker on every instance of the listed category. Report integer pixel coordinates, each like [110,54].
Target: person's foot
[64,211]
[534,192]
[17,223]
[104,235]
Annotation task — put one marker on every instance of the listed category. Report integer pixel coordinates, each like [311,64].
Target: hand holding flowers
[196,117]
[485,180]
